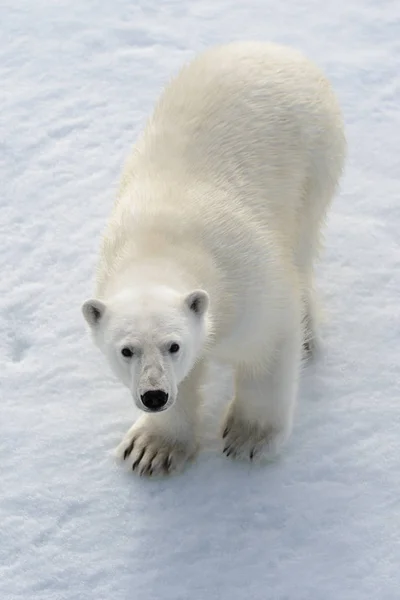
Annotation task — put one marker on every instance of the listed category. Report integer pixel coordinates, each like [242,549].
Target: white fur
[224,196]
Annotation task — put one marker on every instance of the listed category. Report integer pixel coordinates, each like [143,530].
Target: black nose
[154,399]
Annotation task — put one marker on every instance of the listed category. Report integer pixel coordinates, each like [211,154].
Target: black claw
[149,469]
[137,461]
[129,450]
[226,431]
[143,470]
[167,463]
[251,454]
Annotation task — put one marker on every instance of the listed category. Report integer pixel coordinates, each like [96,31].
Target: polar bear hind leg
[317,198]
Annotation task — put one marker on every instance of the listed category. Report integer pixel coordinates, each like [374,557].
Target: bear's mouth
[157,410]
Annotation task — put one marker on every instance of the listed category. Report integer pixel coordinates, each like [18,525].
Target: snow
[78,80]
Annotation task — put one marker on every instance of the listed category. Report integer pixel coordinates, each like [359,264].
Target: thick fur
[223,196]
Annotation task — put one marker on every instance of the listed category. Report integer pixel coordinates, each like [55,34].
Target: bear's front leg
[259,419]
[162,443]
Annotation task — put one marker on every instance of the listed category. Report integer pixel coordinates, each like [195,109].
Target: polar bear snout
[154,400]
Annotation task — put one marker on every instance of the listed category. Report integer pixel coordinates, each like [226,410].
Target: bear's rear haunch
[209,251]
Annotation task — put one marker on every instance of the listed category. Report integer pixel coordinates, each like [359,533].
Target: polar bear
[210,248]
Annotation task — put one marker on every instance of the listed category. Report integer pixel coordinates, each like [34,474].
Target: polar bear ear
[93,310]
[197,302]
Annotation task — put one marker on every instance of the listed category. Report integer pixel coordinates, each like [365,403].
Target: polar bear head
[151,338]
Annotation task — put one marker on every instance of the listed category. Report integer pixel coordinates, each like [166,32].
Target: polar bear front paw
[249,441]
[151,452]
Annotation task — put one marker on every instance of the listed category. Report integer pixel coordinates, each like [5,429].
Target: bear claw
[150,453]
[129,449]
[137,461]
[249,441]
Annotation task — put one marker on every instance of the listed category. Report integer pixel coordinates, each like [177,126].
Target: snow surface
[77,82]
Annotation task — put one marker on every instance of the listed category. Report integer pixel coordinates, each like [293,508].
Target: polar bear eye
[174,348]
[127,352]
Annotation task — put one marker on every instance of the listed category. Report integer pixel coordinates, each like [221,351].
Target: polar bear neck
[179,267]
[157,270]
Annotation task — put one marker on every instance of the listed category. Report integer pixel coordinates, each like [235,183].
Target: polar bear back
[257,120]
